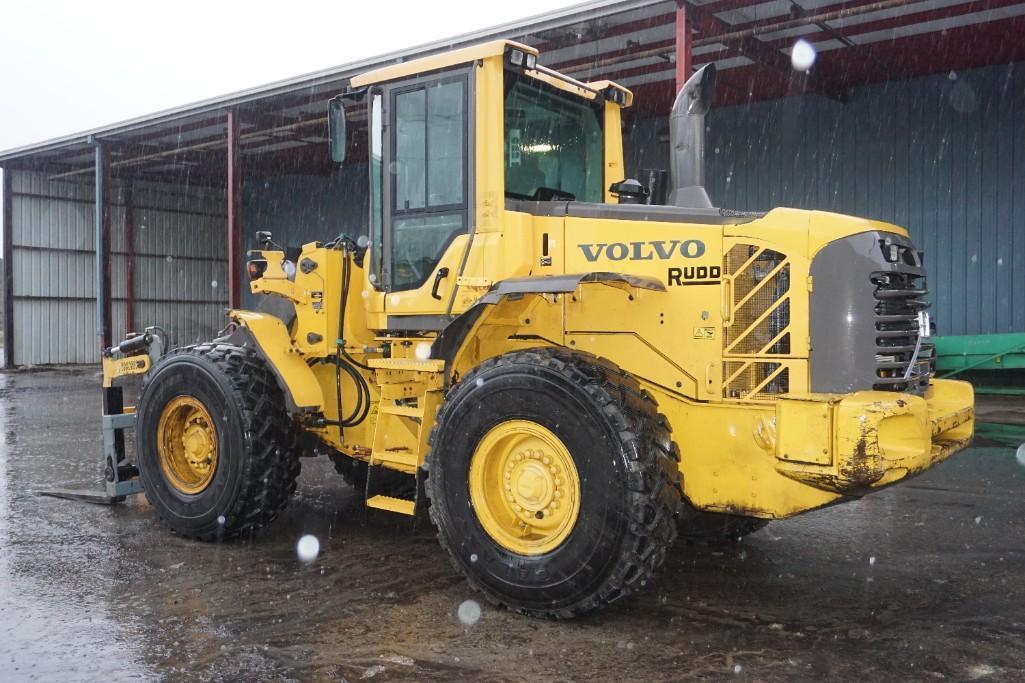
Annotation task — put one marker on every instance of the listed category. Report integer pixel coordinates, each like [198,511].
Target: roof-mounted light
[521,58]
[615,95]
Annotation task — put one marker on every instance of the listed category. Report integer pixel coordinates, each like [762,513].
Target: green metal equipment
[994,363]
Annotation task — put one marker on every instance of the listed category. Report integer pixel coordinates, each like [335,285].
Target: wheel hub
[524,487]
[187,445]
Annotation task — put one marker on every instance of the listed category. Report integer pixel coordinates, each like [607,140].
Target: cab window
[428,204]
[553,143]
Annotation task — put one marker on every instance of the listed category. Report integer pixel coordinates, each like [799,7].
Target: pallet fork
[134,356]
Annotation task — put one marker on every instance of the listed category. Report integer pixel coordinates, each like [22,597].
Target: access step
[409,364]
[403,411]
[399,505]
[404,459]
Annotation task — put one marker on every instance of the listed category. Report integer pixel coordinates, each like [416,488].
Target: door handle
[438,277]
[727,301]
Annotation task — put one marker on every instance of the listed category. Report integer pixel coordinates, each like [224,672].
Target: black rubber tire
[713,528]
[258,443]
[626,462]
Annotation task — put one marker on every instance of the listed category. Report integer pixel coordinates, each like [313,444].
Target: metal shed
[914,112]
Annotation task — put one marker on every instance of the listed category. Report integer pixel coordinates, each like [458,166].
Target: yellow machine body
[674,304]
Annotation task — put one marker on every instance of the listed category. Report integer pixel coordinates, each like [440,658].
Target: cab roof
[442,60]
[493,48]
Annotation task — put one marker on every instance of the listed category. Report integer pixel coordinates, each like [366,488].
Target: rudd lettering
[694,275]
[661,250]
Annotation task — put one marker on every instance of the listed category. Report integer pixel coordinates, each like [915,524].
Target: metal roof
[629,41]
[333,77]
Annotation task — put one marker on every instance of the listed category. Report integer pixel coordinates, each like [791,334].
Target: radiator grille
[899,300]
[759,327]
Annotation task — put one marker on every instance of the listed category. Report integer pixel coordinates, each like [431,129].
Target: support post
[234,213]
[102,225]
[129,261]
[8,274]
[682,45]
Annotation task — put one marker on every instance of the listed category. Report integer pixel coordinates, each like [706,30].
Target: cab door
[426,191]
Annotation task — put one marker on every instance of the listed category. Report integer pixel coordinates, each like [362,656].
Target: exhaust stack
[687,140]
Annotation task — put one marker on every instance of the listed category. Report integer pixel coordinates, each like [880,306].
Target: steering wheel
[552,194]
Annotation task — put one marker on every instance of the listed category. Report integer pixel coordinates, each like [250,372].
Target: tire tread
[653,476]
[271,440]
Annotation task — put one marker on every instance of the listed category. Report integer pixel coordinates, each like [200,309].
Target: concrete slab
[923,581]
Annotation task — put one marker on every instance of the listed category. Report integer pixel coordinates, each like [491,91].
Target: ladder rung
[406,458]
[399,505]
[405,411]
[427,365]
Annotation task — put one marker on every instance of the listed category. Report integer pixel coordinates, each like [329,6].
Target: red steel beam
[826,13]
[823,77]
[750,47]
[707,30]
[728,5]
[611,32]
[610,57]
[234,212]
[967,47]
[129,260]
[734,47]
[682,46]
[901,21]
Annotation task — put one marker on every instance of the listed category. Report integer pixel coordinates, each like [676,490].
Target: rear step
[399,505]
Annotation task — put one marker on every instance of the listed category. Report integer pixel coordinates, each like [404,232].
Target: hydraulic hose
[343,361]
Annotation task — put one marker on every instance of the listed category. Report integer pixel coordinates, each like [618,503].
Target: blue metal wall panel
[943,156]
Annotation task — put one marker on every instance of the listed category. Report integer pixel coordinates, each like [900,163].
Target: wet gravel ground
[925,581]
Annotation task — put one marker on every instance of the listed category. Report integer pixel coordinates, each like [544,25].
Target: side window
[376,222]
[428,174]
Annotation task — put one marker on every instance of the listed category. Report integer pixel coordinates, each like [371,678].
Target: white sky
[66,66]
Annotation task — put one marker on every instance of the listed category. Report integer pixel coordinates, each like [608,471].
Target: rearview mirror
[336,129]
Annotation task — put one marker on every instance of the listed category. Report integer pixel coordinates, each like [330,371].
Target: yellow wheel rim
[524,487]
[187,445]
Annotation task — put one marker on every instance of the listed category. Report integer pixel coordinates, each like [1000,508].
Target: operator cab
[429,125]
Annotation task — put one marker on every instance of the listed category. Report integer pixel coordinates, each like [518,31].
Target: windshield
[553,144]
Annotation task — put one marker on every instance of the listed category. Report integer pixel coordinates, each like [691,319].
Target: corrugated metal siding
[181,260]
[299,209]
[943,156]
[180,265]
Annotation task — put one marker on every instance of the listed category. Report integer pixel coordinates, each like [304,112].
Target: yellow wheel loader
[565,370]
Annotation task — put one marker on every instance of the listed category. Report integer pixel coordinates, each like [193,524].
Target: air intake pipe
[687,140]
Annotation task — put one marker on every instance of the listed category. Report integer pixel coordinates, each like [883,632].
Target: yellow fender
[296,379]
